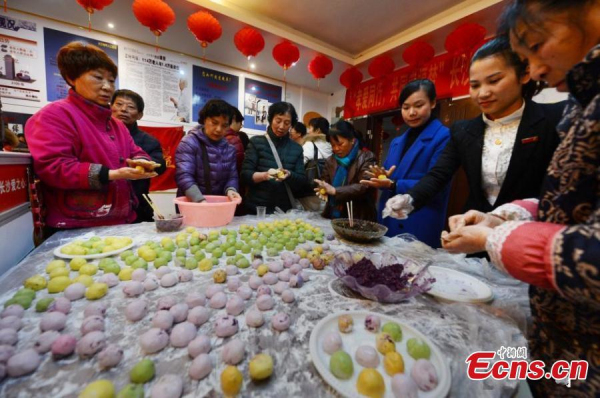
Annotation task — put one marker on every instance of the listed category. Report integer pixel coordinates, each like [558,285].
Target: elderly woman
[554,243]
[266,153]
[81,154]
[342,174]
[206,162]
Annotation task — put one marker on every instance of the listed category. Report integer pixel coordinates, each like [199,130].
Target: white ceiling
[348,31]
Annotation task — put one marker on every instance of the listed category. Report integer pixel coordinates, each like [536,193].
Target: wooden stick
[153,206]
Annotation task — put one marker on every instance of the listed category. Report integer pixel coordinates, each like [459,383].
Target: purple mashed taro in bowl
[384,278]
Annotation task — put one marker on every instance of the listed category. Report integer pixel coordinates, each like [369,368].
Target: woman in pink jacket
[82,155]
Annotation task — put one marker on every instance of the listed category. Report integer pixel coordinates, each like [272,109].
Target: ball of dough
[284,275]
[136,310]
[179,312]
[233,284]
[254,282]
[260,367]
[332,342]
[244,292]
[23,363]
[43,343]
[169,280]
[163,319]
[198,316]
[195,300]
[162,271]
[94,309]
[270,278]
[424,374]
[254,318]
[265,302]
[372,323]
[200,345]
[288,296]
[295,269]
[233,352]
[185,275]
[92,323]
[345,323]
[111,280]
[385,343]
[8,336]
[150,284]
[74,292]
[280,322]
[340,364]
[7,351]
[168,386]
[60,304]
[218,301]
[264,289]
[201,367]
[370,383]
[403,386]
[53,321]
[96,291]
[90,344]
[14,310]
[63,346]
[231,381]
[154,340]
[275,267]
[213,289]
[367,356]
[296,281]
[232,270]
[98,389]
[280,287]
[226,326]
[138,275]
[11,322]
[182,334]
[133,288]
[220,276]
[235,306]
[110,356]
[166,302]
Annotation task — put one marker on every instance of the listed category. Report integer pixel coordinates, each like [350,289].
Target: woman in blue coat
[409,158]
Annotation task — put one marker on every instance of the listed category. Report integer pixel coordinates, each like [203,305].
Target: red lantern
[418,53]
[205,27]
[320,66]
[381,66]
[286,54]
[464,38]
[155,14]
[93,5]
[351,77]
[5,6]
[249,41]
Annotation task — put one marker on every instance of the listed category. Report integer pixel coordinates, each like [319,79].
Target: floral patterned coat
[554,243]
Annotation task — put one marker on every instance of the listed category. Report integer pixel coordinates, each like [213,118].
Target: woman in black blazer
[498,170]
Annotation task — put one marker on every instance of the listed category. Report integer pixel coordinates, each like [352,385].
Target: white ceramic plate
[360,336]
[452,285]
[58,253]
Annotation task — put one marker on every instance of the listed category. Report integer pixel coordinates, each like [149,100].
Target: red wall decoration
[169,138]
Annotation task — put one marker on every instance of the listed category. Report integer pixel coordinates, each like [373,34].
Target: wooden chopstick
[153,206]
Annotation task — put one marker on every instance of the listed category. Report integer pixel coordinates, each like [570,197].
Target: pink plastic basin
[217,211]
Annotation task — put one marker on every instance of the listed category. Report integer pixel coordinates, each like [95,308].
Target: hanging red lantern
[286,54]
[154,14]
[249,41]
[205,27]
[351,77]
[93,5]
[381,66]
[320,66]
[5,10]
[418,53]
[464,38]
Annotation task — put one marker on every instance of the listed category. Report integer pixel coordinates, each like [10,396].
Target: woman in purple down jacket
[206,163]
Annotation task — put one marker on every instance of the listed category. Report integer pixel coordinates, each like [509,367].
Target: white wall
[308,100]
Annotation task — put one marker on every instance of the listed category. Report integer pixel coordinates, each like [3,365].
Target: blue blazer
[428,222]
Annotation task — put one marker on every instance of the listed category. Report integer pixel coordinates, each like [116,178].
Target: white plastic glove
[399,206]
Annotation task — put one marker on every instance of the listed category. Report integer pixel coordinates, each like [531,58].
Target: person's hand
[473,217]
[233,195]
[324,189]
[278,174]
[174,101]
[129,173]
[379,177]
[399,206]
[469,239]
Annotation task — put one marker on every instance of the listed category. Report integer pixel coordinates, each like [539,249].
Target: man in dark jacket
[128,107]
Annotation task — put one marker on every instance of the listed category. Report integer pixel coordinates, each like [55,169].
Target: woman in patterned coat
[554,243]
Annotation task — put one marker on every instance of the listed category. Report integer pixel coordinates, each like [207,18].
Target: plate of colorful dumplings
[362,353]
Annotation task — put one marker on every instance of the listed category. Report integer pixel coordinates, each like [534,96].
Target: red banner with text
[169,138]
[450,73]
[13,186]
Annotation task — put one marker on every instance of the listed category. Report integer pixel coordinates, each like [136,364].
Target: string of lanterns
[158,16]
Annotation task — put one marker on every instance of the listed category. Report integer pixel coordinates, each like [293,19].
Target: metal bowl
[361,231]
[169,225]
